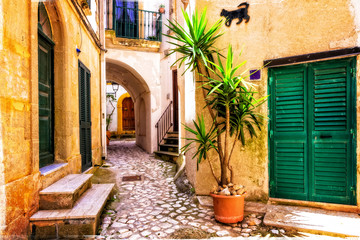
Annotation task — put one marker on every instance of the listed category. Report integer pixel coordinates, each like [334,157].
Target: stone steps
[169,148]
[82,218]
[65,192]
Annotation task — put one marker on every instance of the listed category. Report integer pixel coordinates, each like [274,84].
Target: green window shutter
[46,101]
[332,114]
[85,117]
[289,133]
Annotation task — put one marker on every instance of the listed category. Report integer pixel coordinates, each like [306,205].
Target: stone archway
[137,88]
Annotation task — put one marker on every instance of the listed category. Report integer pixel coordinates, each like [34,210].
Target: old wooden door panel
[46,105]
[128,114]
[312,131]
[85,117]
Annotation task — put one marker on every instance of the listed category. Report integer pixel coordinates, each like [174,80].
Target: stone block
[43,231]
[77,228]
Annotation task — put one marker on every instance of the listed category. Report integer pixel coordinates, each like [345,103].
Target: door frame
[353,119]
[175,89]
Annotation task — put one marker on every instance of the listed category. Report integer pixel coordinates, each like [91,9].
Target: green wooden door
[312,131]
[46,101]
[85,117]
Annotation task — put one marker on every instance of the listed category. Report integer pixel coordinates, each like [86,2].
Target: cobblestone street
[153,207]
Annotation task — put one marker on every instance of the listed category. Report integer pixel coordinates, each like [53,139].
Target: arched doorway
[126,115]
[137,88]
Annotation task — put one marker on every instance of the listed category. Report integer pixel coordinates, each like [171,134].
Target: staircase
[168,147]
[168,140]
[70,208]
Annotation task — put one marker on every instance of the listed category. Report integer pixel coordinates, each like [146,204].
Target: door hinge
[271,133]
[271,185]
[352,70]
[352,132]
[352,189]
[271,80]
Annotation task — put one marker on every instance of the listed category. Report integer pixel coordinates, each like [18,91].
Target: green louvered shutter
[288,133]
[312,131]
[85,117]
[332,128]
[46,101]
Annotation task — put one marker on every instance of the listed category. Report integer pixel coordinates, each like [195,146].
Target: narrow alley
[153,208]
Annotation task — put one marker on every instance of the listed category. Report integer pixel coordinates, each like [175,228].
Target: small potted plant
[231,104]
[109,98]
[162,8]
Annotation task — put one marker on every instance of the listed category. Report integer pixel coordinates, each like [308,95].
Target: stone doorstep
[82,219]
[65,192]
[313,220]
[166,156]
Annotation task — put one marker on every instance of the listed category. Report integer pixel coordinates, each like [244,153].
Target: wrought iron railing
[164,124]
[131,22]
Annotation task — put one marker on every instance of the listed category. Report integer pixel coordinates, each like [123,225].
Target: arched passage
[138,90]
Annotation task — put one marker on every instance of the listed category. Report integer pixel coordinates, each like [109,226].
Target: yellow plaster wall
[20,179]
[276,29]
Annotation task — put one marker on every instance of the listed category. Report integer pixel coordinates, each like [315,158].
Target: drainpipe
[102,89]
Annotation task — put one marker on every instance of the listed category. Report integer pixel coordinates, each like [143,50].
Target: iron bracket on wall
[241,13]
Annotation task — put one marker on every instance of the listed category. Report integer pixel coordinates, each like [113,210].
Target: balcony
[129,26]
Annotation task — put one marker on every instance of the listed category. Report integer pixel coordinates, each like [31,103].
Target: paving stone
[126,234]
[165,225]
[222,233]
[145,233]
[156,228]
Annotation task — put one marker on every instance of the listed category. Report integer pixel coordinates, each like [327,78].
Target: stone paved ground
[153,208]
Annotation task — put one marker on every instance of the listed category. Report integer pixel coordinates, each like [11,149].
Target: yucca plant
[229,98]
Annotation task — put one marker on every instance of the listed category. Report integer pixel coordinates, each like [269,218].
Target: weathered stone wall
[276,29]
[20,179]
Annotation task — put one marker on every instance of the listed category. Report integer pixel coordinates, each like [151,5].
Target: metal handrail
[134,23]
[164,124]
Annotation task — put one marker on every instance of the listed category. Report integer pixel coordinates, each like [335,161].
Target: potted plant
[230,101]
[109,98]
[162,8]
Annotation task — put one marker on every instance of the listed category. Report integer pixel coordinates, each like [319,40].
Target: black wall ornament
[241,13]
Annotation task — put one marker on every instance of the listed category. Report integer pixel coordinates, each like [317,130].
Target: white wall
[114,118]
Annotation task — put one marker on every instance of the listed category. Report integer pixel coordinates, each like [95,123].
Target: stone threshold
[313,220]
[52,168]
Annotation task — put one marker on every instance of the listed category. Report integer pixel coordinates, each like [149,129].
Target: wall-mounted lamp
[115,87]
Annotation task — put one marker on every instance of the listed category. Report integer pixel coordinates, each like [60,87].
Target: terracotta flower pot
[228,209]
[108,136]
[162,10]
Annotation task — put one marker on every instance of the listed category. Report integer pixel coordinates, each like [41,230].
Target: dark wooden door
[128,114]
[312,131]
[46,101]
[175,101]
[85,117]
